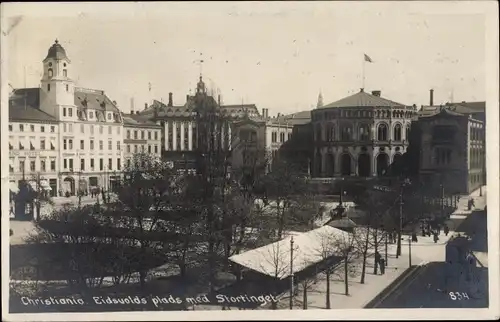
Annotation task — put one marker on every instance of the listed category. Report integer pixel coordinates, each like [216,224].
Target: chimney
[145,106]
[187,98]
[263,112]
[431,98]
[170,99]
[376,93]
[131,105]
[267,113]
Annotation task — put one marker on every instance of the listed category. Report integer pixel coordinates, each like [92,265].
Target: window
[21,146]
[101,129]
[32,128]
[67,88]
[91,115]
[71,164]
[110,164]
[149,148]
[65,72]
[92,144]
[364,132]
[70,144]
[135,135]
[82,128]
[101,164]
[42,128]
[10,127]
[21,127]
[70,112]
[22,166]
[143,148]
[397,132]
[32,165]
[289,136]
[128,148]
[110,128]
[118,164]
[274,137]
[42,144]
[109,117]
[156,135]
[149,135]
[64,111]
[128,163]
[346,134]
[128,134]
[156,148]
[65,146]
[52,145]
[42,165]
[282,137]
[53,165]
[64,127]
[82,164]
[110,145]
[48,87]
[32,147]
[143,135]
[11,147]
[52,129]
[101,145]
[382,132]
[51,73]
[135,148]
[91,164]
[82,144]
[118,145]
[91,130]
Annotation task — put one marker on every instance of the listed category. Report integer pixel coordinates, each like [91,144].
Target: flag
[368,59]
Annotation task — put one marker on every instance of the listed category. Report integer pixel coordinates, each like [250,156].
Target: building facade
[452,150]
[72,136]
[360,135]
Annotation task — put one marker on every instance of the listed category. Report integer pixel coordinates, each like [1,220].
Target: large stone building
[453,146]
[360,135]
[70,138]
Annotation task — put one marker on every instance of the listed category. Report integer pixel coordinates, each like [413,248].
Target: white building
[72,137]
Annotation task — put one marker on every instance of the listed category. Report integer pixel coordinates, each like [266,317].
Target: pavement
[443,285]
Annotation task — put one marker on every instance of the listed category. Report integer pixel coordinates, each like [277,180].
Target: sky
[276,55]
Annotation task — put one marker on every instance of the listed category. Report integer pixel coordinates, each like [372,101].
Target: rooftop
[56,51]
[362,99]
[23,106]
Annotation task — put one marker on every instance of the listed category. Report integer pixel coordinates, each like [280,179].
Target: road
[431,287]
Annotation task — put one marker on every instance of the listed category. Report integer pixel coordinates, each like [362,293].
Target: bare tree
[345,247]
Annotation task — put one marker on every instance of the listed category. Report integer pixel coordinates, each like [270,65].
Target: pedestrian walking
[446,230]
[382,266]
[436,238]
[378,257]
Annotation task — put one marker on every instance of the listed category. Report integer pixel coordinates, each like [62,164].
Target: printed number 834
[458,296]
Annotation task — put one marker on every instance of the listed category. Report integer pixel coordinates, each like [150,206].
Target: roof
[362,99]
[473,106]
[274,259]
[19,111]
[298,118]
[56,51]
[135,120]
[430,111]
[94,99]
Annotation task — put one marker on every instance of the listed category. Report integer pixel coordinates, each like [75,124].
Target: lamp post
[291,273]
[409,252]
[400,233]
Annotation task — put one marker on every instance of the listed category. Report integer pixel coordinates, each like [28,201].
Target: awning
[13,187]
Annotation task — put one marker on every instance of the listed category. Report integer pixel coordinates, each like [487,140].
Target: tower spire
[320,100]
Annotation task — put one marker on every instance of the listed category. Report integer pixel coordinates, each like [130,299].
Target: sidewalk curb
[379,298]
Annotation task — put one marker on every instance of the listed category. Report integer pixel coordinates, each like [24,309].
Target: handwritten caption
[155,300]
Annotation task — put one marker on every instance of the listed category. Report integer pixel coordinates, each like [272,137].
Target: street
[439,285]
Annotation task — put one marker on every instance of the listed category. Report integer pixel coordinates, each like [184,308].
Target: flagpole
[363,81]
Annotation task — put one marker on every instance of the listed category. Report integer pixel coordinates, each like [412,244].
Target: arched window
[407,137]
[51,72]
[65,72]
[382,132]
[364,132]
[346,134]
[329,132]
[397,132]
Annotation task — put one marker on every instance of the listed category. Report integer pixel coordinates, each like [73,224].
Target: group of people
[428,229]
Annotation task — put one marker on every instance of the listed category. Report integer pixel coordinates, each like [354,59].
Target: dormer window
[51,72]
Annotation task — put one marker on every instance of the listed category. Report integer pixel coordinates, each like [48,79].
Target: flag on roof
[368,59]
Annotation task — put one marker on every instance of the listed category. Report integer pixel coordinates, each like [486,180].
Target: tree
[345,247]
[33,194]
[327,251]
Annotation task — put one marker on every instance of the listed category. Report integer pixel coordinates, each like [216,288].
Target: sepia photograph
[272,160]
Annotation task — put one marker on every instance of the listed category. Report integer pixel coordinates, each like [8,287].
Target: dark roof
[241,108]
[438,111]
[298,118]
[19,111]
[56,51]
[473,106]
[137,120]
[363,99]
[94,99]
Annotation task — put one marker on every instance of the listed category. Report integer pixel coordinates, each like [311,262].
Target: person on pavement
[436,238]
[382,266]
[377,258]
[446,230]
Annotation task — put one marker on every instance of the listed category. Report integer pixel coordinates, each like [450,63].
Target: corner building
[359,135]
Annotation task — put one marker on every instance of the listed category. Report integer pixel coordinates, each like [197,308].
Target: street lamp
[291,273]
[404,184]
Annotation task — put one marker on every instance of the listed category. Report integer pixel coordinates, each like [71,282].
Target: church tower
[200,88]
[57,88]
